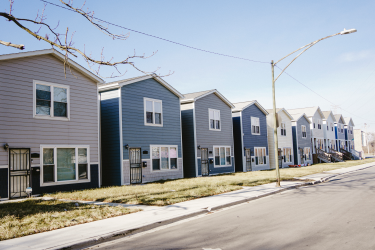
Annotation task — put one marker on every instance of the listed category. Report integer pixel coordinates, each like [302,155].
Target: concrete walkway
[153,216]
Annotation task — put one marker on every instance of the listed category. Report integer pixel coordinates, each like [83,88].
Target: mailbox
[144,164]
[211,160]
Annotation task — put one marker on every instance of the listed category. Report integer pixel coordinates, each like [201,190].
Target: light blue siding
[298,140]
[110,138]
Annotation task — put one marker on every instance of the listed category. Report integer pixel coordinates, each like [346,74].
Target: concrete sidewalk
[154,216]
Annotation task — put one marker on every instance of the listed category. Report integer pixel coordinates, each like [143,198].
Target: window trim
[265,155]
[153,112]
[169,158]
[291,154]
[77,180]
[251,123]
[304,137]
[304,154]
[51,116]
[209,124]
[225,157]
[281,129]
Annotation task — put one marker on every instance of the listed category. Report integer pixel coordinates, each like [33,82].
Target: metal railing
[322,155]
[336,155]
[347,154]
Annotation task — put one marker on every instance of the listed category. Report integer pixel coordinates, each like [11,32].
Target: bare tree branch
[18,46]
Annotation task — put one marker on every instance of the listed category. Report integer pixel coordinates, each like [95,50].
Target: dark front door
[248,159]
[135,166]
[204,161]
[19,172]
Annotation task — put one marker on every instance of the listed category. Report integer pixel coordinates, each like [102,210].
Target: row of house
[73,131]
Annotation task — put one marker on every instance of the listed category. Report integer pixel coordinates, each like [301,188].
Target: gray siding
[207,138]
[110,138]
[298,140]
[18,128]
[187,120]
[135,132]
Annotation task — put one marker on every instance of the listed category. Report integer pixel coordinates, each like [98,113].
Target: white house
[329,131]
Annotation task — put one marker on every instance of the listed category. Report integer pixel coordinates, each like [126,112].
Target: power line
[160,38]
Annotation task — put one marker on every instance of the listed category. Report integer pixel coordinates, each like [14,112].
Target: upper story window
[51,101]
[214,117]
[303,128]
[255,128]
[332,126]
[319,124]
[153,112]
[283,129]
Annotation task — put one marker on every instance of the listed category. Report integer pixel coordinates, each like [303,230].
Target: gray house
[207,134]
[49,124]
[140,131]
[302,140]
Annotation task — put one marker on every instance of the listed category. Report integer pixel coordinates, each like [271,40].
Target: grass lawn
[35,216]
[174,191]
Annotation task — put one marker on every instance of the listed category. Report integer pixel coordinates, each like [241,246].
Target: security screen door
[248,159]
[204,161]
[135,166]
[19,172]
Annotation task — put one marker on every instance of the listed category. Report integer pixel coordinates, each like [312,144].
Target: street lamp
[306,47]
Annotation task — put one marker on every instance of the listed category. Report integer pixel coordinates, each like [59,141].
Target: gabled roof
[327,114]
[349,120]
[120,83]
[239,106]
[338,117]
[56,54]
[297,117]
[310,112]
[278,110]
[192,97]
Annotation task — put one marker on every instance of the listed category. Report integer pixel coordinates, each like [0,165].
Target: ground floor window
[287,154]
[222,155]
[260,156]
[65,163]
[306,152]
[164,157]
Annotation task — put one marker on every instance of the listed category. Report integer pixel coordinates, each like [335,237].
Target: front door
[302,156]
[248,159]
[204,161]
[135,165]
[19,172]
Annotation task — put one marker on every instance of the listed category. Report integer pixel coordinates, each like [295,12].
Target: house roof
[239,106]
[308,111]
[299,116]
[327,114]
[120,83]
[192,97]
[339,117]
[56,54]
[348,120]
[278,110]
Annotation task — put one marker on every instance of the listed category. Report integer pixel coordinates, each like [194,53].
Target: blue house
[302,146]
[250,136]
[140,131]
[207,134]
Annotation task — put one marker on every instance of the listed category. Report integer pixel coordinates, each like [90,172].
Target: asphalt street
[338,214]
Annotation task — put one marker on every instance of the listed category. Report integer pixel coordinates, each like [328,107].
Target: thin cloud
[356,56]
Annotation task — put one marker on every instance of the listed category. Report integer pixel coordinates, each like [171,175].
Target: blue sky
[341,69]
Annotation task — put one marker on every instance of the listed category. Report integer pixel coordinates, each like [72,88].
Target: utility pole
[276,145]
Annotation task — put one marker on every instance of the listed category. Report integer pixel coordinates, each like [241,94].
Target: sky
[340,69]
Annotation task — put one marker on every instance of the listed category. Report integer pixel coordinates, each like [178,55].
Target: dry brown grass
[35,216]
[174,191]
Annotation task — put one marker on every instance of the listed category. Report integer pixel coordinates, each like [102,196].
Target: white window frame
[304,153]
[252,118]
[231,156]
[256,149]
[209,122]
[51,116]
[153,112]
[77,180]
[281,129]
[304,127]
[291,154]
[319,124]
[169,158]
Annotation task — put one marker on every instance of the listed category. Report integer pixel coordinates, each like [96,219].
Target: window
[306,152]
[260,156]
[255,128]
[283,129]
[327,128]
[303,128]
[164,157]
[153,112]
[64,163]
[332,126]
[214,117]
[319,124]
[51,101]
[314,124]
[222,156]
[287,154]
